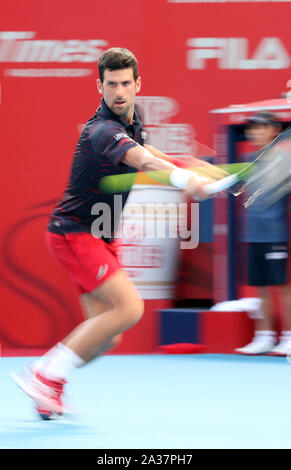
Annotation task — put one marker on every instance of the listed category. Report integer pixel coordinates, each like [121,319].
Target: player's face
[119,89]
[261,135]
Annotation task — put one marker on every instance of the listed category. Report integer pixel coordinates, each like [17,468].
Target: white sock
[286,335]
[63,363]
[265,335]
[41,363]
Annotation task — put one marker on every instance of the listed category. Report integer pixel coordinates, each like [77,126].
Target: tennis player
[111,143]
[267,235]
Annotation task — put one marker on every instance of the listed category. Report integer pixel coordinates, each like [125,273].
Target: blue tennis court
[159,402]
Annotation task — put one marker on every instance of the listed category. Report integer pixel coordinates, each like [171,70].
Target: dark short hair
[117,58]
[263,118]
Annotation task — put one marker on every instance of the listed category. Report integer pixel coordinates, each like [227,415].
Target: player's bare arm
[202,167]
[141,158]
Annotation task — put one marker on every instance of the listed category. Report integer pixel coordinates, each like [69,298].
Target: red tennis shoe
[46,393]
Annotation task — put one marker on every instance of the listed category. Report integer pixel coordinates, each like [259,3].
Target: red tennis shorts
[90,261]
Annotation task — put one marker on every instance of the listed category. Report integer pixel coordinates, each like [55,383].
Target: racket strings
[270,179]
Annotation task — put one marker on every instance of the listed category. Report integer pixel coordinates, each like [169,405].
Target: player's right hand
[195,188]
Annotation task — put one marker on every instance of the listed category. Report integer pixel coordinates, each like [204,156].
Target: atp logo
[102,271]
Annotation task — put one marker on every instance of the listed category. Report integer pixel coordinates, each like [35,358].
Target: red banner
[193,57]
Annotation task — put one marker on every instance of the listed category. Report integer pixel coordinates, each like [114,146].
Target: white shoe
[257,346]
[283,348]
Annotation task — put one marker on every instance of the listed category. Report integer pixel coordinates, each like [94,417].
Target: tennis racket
[123,182]
[266,180]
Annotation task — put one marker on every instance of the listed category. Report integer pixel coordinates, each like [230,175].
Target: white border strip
[246,109]
[229,1]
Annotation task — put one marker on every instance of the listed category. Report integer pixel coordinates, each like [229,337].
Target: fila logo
[102,272]
[233,54]
[21,46]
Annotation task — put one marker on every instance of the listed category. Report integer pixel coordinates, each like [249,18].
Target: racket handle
[221,185]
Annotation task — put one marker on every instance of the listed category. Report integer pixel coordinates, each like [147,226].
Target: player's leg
[88,340]
[279,274]
[125,308]
[264,337]
[91,307]
[285,294]
[265,323]
[85,258]
[102,329]
[261,276]
[284,346]
[91,338]
[280,279]
[91,262]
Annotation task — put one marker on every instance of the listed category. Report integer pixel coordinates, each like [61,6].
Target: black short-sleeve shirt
[103,143]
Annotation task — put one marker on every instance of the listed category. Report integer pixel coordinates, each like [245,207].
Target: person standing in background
[267,235]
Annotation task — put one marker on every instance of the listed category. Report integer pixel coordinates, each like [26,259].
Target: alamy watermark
[147,221]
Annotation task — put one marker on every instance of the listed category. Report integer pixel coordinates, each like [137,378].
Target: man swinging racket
[111,143]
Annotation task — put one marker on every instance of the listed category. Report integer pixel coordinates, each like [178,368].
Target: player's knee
[138,310]
[134,311]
